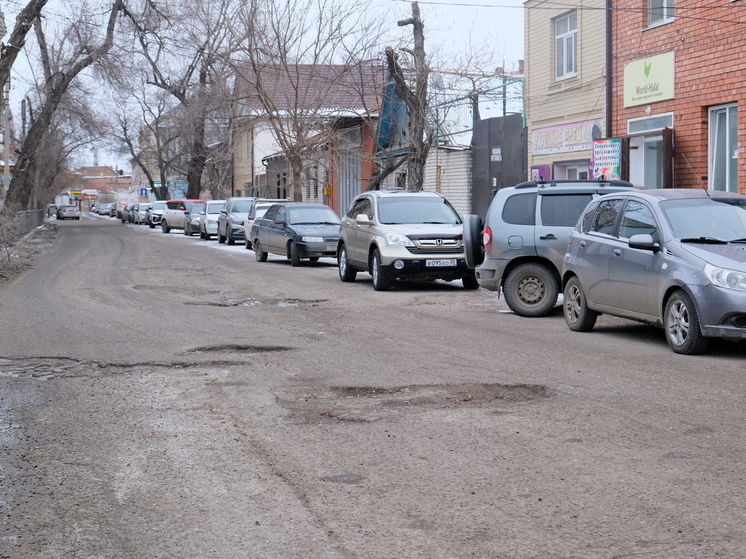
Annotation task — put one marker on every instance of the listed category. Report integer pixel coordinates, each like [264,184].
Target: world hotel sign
[649,80]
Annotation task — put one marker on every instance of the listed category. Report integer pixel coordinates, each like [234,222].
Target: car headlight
[397,239]
[728,279]
[312,239]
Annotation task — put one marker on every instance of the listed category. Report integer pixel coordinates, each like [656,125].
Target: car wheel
[470,281]
[228,237]
[346,273]
[152,225]
[681,324]
[165,228]
[294,256]
[201,234]
[473,248]
[531,290]
[380,281]
[247,244]
[577,314]
[221,239]
[259,253]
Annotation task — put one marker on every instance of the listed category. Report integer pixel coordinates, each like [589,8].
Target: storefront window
[723,148]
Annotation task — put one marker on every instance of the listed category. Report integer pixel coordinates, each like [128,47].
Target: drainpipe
[609,61]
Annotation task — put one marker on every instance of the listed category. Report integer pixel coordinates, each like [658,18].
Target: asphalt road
[167,397]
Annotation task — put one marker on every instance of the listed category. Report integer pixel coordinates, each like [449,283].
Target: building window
[566,45]
[660,11]
[723,148]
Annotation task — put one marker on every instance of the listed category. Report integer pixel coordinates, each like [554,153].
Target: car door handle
[549,237]
[617,252]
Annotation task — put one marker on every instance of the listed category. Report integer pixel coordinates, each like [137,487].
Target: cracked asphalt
[166,397]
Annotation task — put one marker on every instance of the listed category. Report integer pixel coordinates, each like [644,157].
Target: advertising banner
[607,159]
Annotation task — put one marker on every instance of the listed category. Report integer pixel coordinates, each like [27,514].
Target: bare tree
[58,76]
[182,43]
[9,51]
[303,64]
[414,94]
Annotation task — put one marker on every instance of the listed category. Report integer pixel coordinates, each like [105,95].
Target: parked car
[519,248]
[141,214]
[208,219]
[124,214]
[104,209]
[258,208]
[51,210]
[675,258]
[191,218]
[68,211]
[403,235]
[154,213]
[173,214]
[132,216]
[231,219]
[296,230]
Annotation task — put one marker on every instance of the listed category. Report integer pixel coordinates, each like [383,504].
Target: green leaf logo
[647,66]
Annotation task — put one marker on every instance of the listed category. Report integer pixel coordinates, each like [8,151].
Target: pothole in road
[258,302]
[368,404]
[237,348]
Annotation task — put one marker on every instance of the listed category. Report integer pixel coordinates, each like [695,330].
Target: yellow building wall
[555,107]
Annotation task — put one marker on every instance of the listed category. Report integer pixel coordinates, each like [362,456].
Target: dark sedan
[296,230]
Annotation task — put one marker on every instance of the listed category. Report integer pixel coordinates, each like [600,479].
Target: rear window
[520,209]
[563,210]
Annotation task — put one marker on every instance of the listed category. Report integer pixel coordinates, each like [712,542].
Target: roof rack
[555,182]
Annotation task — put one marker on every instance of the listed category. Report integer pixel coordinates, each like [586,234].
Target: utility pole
[6,142]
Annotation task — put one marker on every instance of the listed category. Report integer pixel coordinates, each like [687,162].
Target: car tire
[578,316]
[259,253]
[165,228]
[294,256]
[247,244]
[221,239]
[346,272]
[228,237]
[152,225]
[473,247]
[681,325]
[470,282]
[380,281]
[531,290]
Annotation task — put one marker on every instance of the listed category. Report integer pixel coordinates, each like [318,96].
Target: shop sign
[576,136]
[649,80]
[607,159]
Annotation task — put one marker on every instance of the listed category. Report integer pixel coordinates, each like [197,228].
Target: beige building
[565,86]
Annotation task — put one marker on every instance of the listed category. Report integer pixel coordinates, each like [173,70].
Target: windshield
[707,218]
[159,205]
[298,216]
[214,208]
[241,206]
[393,211]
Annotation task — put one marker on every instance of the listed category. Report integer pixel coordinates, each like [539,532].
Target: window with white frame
[723,148]
[660,11]
[566,45]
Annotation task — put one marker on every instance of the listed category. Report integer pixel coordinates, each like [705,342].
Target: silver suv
[521,244]
[399,234]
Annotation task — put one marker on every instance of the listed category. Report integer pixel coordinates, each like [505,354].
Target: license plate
[331,248]
[440,262]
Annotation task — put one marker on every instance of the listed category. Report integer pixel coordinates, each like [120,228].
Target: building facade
[678,93]
[565,86]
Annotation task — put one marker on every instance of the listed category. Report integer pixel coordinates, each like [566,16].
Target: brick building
[678,92]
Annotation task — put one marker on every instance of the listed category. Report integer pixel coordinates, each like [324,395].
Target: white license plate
[441,262]
[331,248]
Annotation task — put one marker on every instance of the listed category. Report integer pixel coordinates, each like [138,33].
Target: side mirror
[644,242]
[363,219]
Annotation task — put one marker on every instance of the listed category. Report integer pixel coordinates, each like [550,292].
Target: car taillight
[487,239]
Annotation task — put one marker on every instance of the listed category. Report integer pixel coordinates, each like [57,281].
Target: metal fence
[26,221]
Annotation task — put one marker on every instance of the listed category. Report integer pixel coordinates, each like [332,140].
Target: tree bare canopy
[300,65]
[78,46]
[182,45]
[30,13]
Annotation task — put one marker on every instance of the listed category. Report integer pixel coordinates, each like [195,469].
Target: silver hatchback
[675,258]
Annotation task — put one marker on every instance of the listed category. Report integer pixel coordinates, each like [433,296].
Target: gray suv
[521,244]
[399,234]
